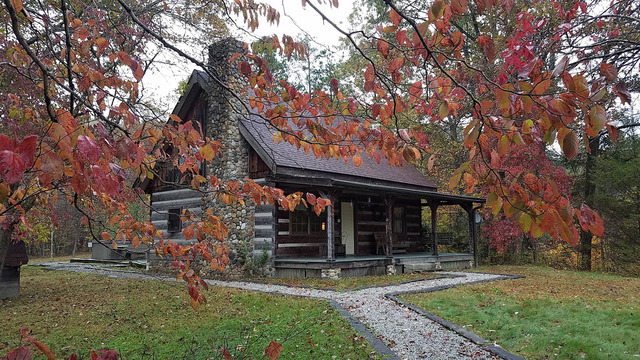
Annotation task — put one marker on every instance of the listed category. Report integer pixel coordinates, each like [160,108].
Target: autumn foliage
[76,125]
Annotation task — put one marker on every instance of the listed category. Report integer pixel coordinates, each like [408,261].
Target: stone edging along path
[403,330]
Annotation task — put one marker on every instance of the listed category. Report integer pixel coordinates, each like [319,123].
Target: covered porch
[372,229]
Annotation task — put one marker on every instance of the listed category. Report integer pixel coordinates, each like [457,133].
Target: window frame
[171,219]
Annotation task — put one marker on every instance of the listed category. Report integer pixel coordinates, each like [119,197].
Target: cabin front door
[348,228]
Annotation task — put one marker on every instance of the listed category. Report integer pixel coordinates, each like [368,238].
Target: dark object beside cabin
[10,279]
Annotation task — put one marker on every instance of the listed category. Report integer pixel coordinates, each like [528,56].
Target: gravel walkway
[409,334]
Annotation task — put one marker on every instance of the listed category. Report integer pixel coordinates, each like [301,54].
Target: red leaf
[225,353]
[334,85]
[487,47]
[459,7]
[396,64]
[273,350]
[27,149]
[395,17]
[570,145]
[5,143]
[125,58]
[245,68]
[590,220]
[507,5]
[21,353]
[40,346]
[609,72]
[383,48]
[89,148]
[623,93]
[11,166]
[138,71]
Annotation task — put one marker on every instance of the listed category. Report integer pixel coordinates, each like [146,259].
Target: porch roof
[376,187]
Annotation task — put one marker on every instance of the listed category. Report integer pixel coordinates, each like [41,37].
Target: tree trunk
[75,246]
[534,249]
[584,260]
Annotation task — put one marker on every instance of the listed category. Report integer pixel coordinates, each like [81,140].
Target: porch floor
[347,258]
[355,265]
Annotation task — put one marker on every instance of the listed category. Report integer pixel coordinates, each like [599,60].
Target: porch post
[471,211]
[330,241]
[388,239]
[434,222]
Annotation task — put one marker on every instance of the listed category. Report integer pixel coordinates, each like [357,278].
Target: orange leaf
[311,199]
[357,160]
[17,5]
[273,350]
[106,236]
[188,232]
[432,160]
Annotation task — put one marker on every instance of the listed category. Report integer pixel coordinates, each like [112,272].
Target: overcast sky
[295,20]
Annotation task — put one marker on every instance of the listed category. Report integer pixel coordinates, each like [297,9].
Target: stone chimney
[233,162]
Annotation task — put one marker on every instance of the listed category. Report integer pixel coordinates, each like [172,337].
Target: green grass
[77,312]
[346,283]
[549,315]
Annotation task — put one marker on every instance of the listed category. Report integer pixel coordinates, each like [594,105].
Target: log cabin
[375,223]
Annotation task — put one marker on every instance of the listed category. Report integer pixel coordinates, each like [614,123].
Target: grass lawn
[150,319]
[346,283]
[551,314]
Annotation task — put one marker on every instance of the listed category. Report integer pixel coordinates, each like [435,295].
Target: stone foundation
[331,274]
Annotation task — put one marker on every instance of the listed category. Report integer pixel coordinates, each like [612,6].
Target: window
[305,221]
[398,220]
[299,221]
[174,223]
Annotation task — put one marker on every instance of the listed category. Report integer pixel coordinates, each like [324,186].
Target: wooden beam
[331,254]
[388,244]
[434,223]
[471,212]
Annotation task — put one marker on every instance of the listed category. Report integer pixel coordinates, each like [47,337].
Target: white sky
[295,21]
